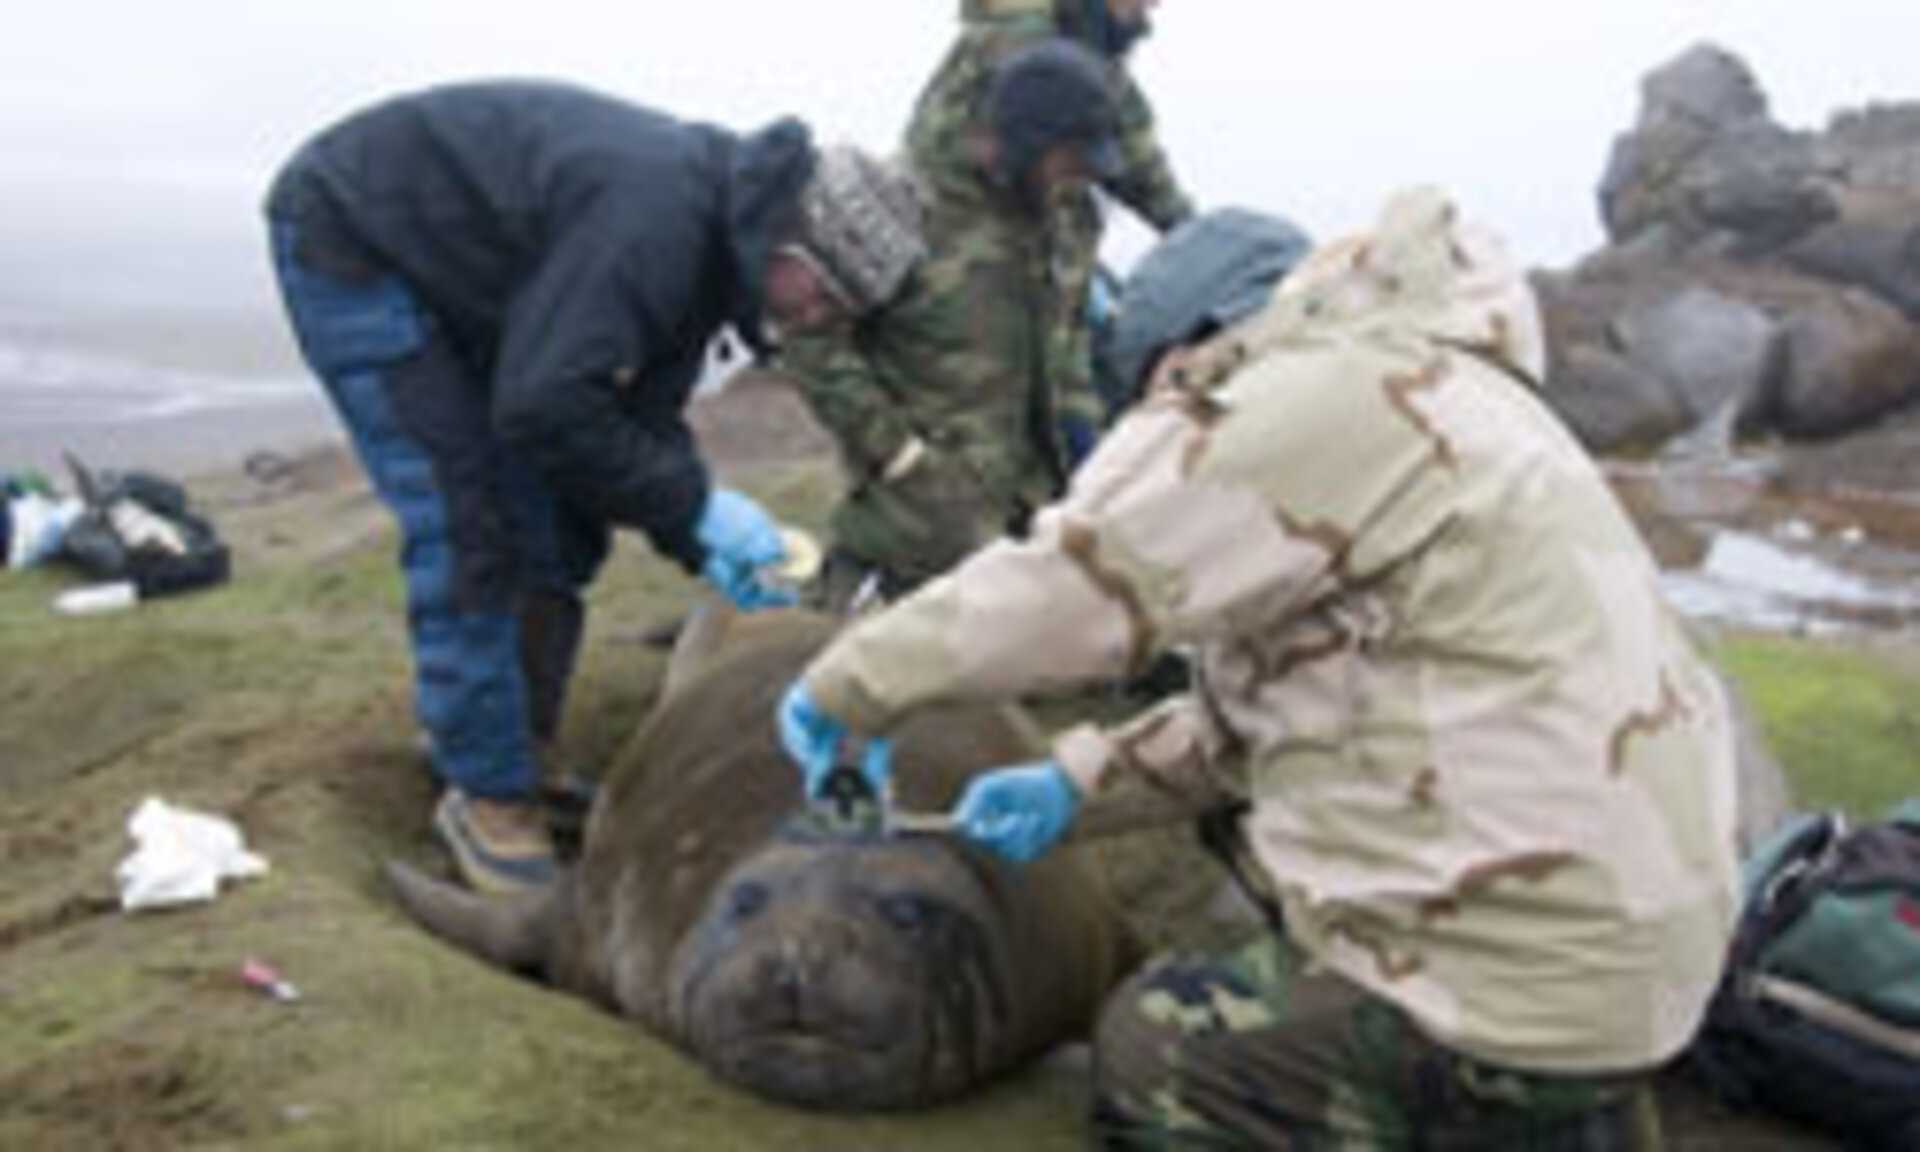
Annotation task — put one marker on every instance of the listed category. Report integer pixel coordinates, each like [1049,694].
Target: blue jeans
[480,533]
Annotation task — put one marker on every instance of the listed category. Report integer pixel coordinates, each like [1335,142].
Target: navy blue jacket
[578,252]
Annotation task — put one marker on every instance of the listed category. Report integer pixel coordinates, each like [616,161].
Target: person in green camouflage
[948,108]
[1479,775]
[948,112]
[952,414]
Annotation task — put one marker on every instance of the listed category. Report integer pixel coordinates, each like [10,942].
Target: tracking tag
[847,804]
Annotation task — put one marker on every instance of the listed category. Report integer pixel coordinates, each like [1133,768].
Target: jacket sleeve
[577,347]
[841,386]
[1173,746]
[1142,553]
[1148,185]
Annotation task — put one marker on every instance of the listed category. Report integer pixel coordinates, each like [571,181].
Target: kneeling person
[1486,779]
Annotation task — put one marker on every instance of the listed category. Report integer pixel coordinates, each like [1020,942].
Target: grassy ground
[1844,719]
[281,701]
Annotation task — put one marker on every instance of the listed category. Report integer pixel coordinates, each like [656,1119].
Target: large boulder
[1877,146]
[1846,357]
[1755,277]
[1609,403]
[1713,349]
[1706,157]
[1874,245]
[1637,356]
[1851,358]
[1684,106]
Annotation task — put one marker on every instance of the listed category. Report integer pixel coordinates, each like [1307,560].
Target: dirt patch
[758,419]
[1884,458]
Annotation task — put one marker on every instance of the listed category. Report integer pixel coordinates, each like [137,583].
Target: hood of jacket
[1420,269]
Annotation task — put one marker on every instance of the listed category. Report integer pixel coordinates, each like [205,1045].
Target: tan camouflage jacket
[1490,778]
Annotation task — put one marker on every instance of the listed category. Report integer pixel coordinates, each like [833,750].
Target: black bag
[138,527]
[1818,1014]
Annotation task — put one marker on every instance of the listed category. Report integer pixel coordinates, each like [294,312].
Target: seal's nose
[790,970]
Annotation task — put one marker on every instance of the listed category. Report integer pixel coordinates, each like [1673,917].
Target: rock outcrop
[1753,274]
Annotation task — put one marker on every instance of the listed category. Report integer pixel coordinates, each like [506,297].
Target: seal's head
[850,972]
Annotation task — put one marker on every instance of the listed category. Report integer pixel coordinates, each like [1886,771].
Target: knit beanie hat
[859,227]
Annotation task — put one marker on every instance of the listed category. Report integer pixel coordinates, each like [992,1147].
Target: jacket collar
[766,172]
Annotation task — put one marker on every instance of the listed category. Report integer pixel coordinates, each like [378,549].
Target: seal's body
[830,970]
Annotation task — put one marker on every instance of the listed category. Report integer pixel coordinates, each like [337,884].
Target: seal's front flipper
[511,932]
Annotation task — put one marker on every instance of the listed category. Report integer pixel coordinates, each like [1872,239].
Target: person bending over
[507,290]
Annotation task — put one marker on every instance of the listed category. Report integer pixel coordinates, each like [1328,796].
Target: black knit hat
[1055,92]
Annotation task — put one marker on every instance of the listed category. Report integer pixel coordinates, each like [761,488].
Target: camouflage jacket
[1490,778]
[941,150]
[944,113]
[966,362]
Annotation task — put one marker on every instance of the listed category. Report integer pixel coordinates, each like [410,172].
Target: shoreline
[173,390]
[184,443]
[755,420]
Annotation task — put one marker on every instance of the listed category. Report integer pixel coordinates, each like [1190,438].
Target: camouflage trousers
[1258,1049]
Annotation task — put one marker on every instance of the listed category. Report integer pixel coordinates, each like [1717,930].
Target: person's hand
[743,545]
[1019,812]
[811,737]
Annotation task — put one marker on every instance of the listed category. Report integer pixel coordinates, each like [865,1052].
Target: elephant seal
[823,968]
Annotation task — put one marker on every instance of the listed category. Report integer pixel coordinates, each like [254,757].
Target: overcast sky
[136,136]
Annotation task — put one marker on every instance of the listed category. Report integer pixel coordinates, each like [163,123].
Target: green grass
[1844,720]
[282,699]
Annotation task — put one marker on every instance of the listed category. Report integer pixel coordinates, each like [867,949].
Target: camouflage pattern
[941,151]
[962,360]
[1489,776]
[945,113]
[987,356]
[1258,1049]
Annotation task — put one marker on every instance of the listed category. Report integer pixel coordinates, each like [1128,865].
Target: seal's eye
[746,901]
[908,913]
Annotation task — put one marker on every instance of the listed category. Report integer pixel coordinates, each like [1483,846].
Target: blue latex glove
[742,543]
[811,737]
[1019,812]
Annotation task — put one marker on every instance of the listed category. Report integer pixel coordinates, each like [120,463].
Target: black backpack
[1817,1016]
[137,526]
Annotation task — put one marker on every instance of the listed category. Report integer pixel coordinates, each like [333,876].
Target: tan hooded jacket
[1491,780]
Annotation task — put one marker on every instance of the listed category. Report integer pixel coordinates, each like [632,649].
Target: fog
[136,138]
